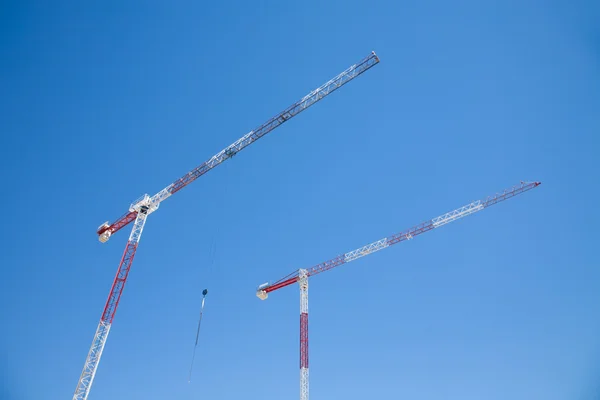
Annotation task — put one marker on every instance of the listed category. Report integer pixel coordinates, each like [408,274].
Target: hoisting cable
[212,251]
[204,293]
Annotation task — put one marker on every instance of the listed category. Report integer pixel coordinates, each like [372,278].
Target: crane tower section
[93,358]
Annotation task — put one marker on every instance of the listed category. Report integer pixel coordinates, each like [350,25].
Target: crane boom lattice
[301,276]
[106,230]
[399,237]
[145,205]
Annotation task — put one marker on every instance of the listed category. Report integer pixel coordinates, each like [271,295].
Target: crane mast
[145,205]
[93,359]
[301,275]
[303,281]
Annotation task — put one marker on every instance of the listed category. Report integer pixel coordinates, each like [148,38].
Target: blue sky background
[102,103]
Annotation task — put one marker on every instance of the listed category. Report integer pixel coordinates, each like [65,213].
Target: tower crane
[141,208]
[301,276]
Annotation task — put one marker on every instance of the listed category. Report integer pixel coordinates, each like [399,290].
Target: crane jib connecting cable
[204,293]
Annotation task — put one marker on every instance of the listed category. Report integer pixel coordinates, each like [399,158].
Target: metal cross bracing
[301,276]
[106,229]
[91,363]
[303,281]
[145,205]
[405,235]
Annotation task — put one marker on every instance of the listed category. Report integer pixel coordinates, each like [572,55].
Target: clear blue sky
[102,103]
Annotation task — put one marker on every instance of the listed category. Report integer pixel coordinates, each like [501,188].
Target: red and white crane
[146,205]
[301,276]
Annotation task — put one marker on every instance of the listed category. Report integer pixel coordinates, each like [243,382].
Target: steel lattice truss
[93,359]
[301,276]
[106,230]
[145,205]
[408,234]
[303,281]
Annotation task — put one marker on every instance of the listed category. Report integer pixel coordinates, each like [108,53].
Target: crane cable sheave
[105,230]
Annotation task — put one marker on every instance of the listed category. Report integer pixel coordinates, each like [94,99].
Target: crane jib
[106,230]
[401,237]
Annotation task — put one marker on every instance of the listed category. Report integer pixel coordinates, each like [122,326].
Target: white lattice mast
[303,282]
[301,276]
[140,209]
[93,358]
